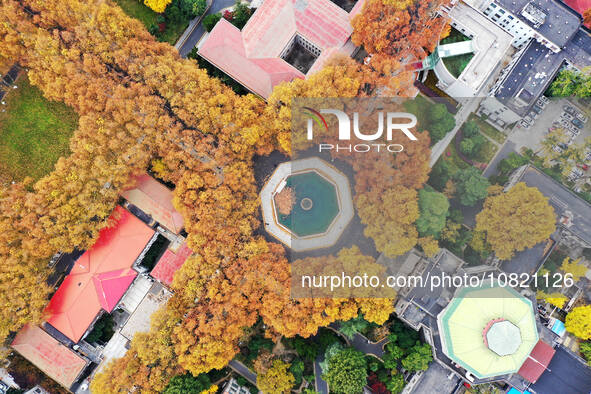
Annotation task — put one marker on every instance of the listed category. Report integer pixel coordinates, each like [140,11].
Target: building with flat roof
[282,40]
[100,276]
[488,330]
[549,35]
[155,199]
[489,44]
[49,355]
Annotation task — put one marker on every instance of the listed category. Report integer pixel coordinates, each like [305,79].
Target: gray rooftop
[562,200]
[529,78]
[536,69]
[550,18]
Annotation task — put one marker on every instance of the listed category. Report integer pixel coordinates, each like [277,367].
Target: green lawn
[137,9]
[34,132]
[489,130]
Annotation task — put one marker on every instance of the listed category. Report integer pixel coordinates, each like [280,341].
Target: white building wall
[521,32]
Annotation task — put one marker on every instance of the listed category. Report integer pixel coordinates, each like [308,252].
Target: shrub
[210,21]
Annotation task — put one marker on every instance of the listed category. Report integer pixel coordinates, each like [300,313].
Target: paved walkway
[469,105]
[196,30]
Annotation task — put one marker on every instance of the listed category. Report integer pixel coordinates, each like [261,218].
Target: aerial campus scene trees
[95,96]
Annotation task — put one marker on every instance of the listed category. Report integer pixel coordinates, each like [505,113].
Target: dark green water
[325,204]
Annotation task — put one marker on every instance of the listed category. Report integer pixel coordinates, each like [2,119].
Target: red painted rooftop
[54,359]
[252,56]
[169,263]
[537,362]
[155,199]
[99,277]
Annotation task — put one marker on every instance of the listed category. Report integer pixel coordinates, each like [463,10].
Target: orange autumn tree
[399,29]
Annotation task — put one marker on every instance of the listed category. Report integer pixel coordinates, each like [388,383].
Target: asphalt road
[194,37]
[359,342]
[565,374]
[244,371]
[321,385]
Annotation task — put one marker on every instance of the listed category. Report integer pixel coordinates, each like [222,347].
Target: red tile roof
[155,199]
[54,359]
[537,362]
[169,263]
[99,277]
[252,56]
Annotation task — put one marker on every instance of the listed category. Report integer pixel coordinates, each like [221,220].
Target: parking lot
[548,115]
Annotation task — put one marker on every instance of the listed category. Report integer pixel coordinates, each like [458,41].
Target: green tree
[572,83]
[470,129]
[392,355]
[471,186]
[512,162]
[441,121]
[187,383]
[347,372]
[305,348]
[396,383]
[440,174]
[241,14]
[351,327]
[434,209]
[467,146]
[209,21]
[419,358]
[199,7]
[585,349]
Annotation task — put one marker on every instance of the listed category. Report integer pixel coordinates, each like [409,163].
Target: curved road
[196,34]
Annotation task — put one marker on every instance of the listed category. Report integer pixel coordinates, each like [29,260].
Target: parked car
[582,117]
[569,109]
[568,116]
[578,123]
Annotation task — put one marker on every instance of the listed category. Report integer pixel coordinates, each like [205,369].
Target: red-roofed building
[54,359]
[537,362]
[255,56]
[169,263]
[580,6]
[155,199]
[99,277]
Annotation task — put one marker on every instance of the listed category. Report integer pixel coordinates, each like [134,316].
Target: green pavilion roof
[487,330]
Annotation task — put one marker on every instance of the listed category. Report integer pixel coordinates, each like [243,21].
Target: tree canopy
[433,207]
[578,322]
[471,186]
[347,371]
[515,220]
